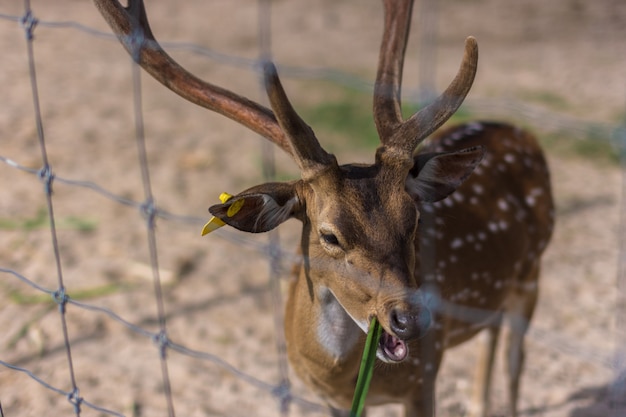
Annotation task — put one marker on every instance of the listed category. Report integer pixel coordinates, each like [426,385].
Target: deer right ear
[259,209]
[437,175]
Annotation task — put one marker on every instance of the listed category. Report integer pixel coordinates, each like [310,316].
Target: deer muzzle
[404,324]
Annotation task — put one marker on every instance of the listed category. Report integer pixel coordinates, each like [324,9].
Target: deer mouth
[391,349]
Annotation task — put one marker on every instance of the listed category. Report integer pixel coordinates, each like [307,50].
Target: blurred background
[557,68]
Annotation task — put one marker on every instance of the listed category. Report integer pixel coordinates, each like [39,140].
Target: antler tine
[412,132]
[131,26]
[387,102]
[392,130]
[306,149]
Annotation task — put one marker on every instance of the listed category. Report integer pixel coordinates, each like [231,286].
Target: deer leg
[479,406]
[422,403]
[519,316]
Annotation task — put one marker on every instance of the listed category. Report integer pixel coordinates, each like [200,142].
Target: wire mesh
[79,389]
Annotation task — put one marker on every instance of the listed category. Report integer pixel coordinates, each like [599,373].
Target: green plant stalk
[367,368]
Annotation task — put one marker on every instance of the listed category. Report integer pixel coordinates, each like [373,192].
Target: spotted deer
[437,244]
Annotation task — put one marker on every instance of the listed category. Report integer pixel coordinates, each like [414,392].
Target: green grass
[18,297]
[593,145]
[348,119]
[549,99]
[40,221]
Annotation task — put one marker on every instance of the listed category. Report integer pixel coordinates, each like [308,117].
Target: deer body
[485,241]
[391,240]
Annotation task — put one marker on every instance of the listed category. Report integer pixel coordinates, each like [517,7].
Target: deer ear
[435,176]
[259,209]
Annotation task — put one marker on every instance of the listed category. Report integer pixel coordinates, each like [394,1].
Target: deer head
[359,221]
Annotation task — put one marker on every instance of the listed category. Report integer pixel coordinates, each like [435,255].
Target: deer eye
[329,239]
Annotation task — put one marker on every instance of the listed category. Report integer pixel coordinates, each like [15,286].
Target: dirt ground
[565,58]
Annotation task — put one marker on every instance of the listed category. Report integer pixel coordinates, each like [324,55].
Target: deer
[439,239]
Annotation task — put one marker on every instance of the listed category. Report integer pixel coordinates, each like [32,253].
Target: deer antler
[387,109]
[130,24]
[392,130]
[306,150]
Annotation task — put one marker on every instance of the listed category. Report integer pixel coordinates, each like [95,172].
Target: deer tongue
[394,349]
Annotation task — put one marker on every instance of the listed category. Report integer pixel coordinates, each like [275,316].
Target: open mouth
[391,349]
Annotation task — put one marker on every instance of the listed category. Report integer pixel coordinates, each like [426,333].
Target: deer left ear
[259,209]
[435,176]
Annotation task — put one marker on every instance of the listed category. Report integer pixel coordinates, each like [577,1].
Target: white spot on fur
[503,205]
[456,243]
[474,127]
[531,196]
[528,162]
[456,136]
[478,189]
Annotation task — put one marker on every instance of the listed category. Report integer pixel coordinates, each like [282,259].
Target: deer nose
[408,324]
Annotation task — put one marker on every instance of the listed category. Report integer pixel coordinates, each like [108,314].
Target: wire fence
[152,214]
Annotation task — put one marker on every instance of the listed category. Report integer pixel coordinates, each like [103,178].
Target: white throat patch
[337,332]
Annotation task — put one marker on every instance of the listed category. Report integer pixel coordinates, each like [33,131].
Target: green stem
[367,368]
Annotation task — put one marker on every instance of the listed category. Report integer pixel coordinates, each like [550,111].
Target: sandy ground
[563,57]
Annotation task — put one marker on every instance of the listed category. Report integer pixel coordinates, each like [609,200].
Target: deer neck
[337,332]
[323,342]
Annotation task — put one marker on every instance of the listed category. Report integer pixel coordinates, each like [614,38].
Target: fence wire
[152,213]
